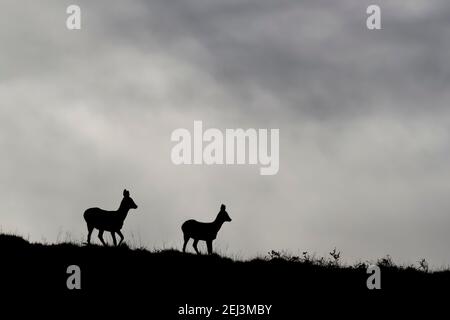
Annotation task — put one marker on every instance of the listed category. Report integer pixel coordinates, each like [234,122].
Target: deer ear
[222,207]
[126,193]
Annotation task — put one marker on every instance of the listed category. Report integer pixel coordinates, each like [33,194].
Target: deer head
[223,215]
[127,202]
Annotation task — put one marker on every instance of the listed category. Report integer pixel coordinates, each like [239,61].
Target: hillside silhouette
[166,279]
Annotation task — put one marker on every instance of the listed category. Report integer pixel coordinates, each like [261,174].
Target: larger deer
[111,221]
[204,231]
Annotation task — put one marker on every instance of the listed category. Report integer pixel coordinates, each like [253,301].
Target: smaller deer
[111,221]
[204,231]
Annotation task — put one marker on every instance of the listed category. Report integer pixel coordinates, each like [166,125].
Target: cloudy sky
[364,122]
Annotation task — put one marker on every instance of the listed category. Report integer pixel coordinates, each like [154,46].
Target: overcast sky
[364,122]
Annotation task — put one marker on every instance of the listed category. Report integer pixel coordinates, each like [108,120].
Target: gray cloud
[363,119]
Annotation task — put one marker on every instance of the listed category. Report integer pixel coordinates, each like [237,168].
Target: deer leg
[209,244]
[121,236]
[113,234]
[90,229]
[186,240]
[100,236]
[195,246]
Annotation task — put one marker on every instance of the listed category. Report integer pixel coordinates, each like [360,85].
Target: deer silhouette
[111,221]
[206,231]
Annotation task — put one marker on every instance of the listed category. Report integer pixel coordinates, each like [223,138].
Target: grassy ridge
[171,277]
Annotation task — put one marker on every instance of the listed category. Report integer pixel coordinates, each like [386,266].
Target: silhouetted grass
[190,277]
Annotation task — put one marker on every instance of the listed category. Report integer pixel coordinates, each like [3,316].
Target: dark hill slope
[168,279]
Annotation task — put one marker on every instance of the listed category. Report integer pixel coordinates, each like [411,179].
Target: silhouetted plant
[306,256]
[277,255]
[274,254]
[386,262]
[361,265]
[336,255]
[423,265]
[311,259]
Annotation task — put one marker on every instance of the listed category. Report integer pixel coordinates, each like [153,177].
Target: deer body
[111,221]
[206,231]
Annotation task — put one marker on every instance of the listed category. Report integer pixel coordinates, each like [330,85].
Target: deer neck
[218,224]
[122,211]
